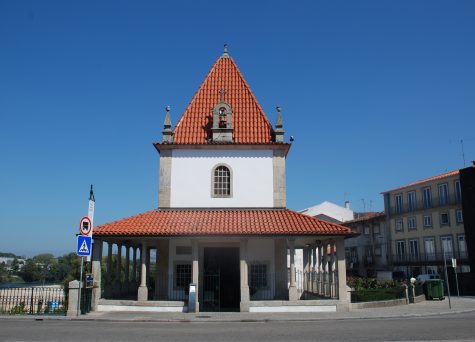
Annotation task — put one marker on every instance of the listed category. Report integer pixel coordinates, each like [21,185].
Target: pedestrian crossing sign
[84,245]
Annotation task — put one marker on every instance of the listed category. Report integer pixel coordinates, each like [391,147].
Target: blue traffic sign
[84,245]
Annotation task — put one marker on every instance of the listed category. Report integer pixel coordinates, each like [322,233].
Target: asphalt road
[456,327]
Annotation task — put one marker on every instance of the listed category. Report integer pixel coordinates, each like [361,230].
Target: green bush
[358,283]
[372,295]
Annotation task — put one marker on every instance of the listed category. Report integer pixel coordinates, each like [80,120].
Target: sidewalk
[426,308]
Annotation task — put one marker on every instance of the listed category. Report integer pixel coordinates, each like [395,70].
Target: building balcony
[429,258]
[424,205]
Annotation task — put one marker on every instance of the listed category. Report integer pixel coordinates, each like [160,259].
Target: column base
[142,293]
[96,295]
[244,306]
[245,294]
[293,293]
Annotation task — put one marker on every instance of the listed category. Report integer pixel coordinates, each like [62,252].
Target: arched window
[222,182]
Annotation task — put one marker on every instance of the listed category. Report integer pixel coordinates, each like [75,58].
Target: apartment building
[426,225]
[367,252]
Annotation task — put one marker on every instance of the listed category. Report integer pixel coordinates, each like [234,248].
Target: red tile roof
[206,222]
[441,176]
[250,124]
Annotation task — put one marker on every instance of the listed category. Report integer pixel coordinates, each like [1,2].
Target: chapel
[221,237]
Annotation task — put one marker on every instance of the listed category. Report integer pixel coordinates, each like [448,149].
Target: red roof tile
[441,176]
[193,222]
[250,124]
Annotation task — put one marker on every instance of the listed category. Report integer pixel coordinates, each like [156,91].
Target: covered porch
[234,273]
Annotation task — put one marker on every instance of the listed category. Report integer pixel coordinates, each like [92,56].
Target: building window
[400,249]
[429,247]
[376,229]
[443,194]
[411,200]
[182,276]
[377,250]
[399,225]
[444,218]
[458,191]
[414,249]
[222,181]
[258,276]
[366,230]
[459,215]
[427,197]
[462,246]
[398,200]
[447,246]
[411,223]
[427,220]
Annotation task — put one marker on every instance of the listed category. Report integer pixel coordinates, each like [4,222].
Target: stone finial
[279,130]
[222,92]
[167,125]
[225,52]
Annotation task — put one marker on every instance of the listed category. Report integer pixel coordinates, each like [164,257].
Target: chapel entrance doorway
[221,282]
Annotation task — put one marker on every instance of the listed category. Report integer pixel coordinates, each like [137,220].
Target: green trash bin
[434,289]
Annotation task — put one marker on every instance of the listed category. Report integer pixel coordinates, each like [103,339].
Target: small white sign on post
[454,262]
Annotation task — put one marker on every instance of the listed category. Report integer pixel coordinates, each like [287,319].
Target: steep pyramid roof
[250,124]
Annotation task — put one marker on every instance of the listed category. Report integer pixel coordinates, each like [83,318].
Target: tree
[3,273]
[30,271]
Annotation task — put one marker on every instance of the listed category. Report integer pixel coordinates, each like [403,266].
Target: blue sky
[376,94]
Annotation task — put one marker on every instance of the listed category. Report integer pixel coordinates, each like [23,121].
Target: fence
[322,284]
[41,300]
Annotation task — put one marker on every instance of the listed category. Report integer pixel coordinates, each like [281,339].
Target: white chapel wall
[252,182]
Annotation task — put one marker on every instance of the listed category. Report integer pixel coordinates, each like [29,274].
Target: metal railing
[321,284]
[428,257]
[41,300]
[435,202]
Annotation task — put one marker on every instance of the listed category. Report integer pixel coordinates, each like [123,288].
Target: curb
[229,320]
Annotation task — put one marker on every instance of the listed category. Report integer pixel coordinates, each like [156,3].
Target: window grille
[222,182]
[182,275]
[258,276]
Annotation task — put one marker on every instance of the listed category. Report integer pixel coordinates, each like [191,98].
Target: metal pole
[80,283]
[447,280]
[456,281]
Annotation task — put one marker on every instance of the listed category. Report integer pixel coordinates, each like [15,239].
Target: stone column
[142,293]
[96,273]
[245,298]
[293,293]
[195,271]
[325,268]
[319,270]
[305,268]
[73,298]
[147,254]
[158,280]
[343,297]
[117,285]
[314,268]
[333,279]
[133,282]
[125,285]
[108,288]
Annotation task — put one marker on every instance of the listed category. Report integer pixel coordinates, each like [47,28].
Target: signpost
[84,243]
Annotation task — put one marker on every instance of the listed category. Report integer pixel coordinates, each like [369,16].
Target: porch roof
[212,222]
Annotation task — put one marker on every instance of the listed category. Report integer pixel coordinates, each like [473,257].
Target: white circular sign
[85,226]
